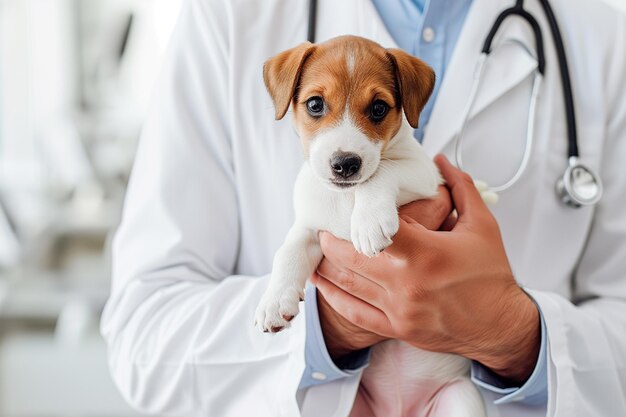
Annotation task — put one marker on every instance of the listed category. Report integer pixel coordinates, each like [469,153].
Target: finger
[430,212]
[343,255]
[356,311]
[465,196]
[352,283]
[450,222]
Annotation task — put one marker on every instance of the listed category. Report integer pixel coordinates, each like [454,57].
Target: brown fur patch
[281,74]
[398,79]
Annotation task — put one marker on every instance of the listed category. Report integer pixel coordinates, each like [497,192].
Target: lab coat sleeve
[533,392]
[179,327]
[587,338]
[320,368]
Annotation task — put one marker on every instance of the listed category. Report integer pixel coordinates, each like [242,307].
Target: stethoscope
[579,185]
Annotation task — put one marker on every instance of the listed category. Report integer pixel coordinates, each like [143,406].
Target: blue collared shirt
[428,30]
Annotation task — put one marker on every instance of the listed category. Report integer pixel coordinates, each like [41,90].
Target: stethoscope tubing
[530,126]
[567,190]
[310,36]
[566,83]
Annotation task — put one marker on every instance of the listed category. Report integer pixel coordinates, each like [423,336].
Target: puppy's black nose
[345,165]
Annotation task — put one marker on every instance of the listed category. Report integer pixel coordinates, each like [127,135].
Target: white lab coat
[209,202]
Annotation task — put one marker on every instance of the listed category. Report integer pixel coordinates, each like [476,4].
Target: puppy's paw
[371,229]
[277,308]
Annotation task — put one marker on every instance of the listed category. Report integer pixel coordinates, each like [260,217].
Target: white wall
[619,3]
[42,378]
[37,79]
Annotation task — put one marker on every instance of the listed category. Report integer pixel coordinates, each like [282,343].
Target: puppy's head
[347,96]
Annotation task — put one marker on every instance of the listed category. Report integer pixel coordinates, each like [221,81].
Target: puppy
[355,105]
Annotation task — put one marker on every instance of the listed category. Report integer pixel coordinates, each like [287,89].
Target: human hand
[446,291]
[343,336]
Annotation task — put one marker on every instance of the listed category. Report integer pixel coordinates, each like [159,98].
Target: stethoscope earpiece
[579,186]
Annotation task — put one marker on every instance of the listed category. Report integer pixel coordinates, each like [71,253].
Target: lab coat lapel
[357,17]
[508,66]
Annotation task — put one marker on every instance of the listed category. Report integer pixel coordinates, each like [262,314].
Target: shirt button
[318,376]
[428,34]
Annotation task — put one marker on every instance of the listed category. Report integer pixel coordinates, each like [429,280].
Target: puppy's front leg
[294,262]
[374,219]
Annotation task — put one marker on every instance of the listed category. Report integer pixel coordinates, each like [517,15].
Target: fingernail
[444,158]
[440,159]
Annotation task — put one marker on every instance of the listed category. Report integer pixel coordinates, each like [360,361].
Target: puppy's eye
[315,106]
[379,110]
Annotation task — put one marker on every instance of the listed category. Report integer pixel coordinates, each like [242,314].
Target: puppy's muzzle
[345,165]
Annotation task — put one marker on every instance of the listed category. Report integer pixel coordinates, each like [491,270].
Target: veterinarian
[209,202]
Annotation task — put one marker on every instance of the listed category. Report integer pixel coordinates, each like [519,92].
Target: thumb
[465,196]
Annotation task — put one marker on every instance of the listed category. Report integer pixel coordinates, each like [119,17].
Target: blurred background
[75,82]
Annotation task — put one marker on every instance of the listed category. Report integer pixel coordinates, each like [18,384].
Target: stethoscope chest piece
[579,186]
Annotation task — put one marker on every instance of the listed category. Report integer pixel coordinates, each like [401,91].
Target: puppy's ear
[416,81]
[281,74]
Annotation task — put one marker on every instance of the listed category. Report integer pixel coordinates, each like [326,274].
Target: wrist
[337,348]
[518,340]
[336,336]
[340,336]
